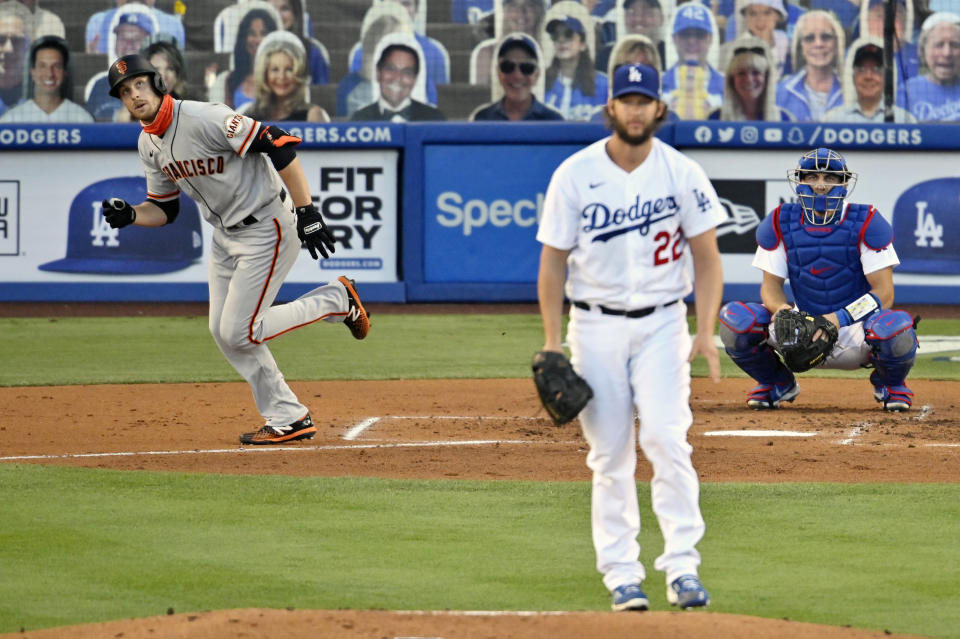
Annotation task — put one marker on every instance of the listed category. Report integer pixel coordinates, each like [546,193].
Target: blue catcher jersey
[824,263]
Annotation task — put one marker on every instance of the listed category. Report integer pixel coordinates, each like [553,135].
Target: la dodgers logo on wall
[94,247]
[925,228]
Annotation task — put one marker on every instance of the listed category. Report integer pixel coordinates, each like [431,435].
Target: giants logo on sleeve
[234,125]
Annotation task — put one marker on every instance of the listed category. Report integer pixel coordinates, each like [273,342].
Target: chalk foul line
[759,433]
[246,450]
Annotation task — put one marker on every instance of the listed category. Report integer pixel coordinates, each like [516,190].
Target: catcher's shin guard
[893,344]
[743,331]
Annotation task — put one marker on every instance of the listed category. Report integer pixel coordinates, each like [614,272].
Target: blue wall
[470,192]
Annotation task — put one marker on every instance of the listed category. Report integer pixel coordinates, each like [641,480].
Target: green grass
[81,545]
[177,349]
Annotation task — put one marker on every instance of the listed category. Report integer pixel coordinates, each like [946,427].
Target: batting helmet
[130,66]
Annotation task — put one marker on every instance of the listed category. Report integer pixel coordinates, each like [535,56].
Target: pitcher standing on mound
[236,168]
[618,220]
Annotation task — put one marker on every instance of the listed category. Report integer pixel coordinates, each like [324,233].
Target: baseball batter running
[619,220]
[236,168]
[839,258]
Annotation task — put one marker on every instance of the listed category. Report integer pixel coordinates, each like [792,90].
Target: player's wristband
[857,310]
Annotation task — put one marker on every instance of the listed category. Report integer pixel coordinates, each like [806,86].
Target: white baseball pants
[247,267]
[638,365]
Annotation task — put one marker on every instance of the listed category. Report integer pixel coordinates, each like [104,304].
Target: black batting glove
[118,212]
[313,232]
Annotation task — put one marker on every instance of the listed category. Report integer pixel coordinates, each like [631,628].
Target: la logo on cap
[93,246]
[635,75]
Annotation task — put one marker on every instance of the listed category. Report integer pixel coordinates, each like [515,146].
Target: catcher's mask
[822,209]
[130,66]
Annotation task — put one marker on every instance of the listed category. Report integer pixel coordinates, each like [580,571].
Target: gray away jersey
[204,153]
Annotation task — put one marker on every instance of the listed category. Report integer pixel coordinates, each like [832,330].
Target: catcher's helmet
[130,66]
[822,209]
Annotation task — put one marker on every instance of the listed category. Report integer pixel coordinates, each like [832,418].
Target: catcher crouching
[839,258]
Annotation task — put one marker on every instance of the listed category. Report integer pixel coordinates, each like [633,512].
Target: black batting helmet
[130,66]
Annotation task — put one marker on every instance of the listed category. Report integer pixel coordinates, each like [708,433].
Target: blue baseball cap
[692,15]
[135,18]
[569,21]
[518,39]
[926,229]
[636,78]
[94,247]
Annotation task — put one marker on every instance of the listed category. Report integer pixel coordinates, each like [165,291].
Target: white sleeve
[700,209]
[560,216]
[773,262]
[873,260]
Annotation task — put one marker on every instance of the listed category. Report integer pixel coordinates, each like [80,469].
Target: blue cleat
[769,396]
[893,398]
[686,591]
[629,597]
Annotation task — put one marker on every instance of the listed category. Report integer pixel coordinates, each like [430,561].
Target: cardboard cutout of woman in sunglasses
[815,88]
[750,87]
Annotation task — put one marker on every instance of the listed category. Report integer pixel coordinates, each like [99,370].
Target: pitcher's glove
[562,392]
[795,331]
[313,231]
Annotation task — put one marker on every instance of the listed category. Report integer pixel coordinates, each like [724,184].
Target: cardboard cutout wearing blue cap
[94,247]
[136,19]
[568,21]
[926,229]
[692,15]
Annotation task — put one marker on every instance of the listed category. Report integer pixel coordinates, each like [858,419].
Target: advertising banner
[482,203]
[473,194]
[481,207]
[52,229]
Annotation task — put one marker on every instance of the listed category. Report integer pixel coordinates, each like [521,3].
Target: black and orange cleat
[300,429]
[357,319]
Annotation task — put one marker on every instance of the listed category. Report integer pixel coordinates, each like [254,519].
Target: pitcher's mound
[382,624]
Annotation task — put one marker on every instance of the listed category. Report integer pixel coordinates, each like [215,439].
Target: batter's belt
[250,219]
[632,314]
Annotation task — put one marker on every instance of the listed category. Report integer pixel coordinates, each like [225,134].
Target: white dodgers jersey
[203,153]
[627,232]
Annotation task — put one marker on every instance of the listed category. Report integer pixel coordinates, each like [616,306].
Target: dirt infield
[469,429]
[476,429]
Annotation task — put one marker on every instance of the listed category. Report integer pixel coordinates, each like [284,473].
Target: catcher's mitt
[794,332]
[562,392]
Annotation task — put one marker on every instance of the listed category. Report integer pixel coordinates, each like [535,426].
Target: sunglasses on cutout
[826,36]
[526,68]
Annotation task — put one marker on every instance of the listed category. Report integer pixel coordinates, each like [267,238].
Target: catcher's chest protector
[823,262]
